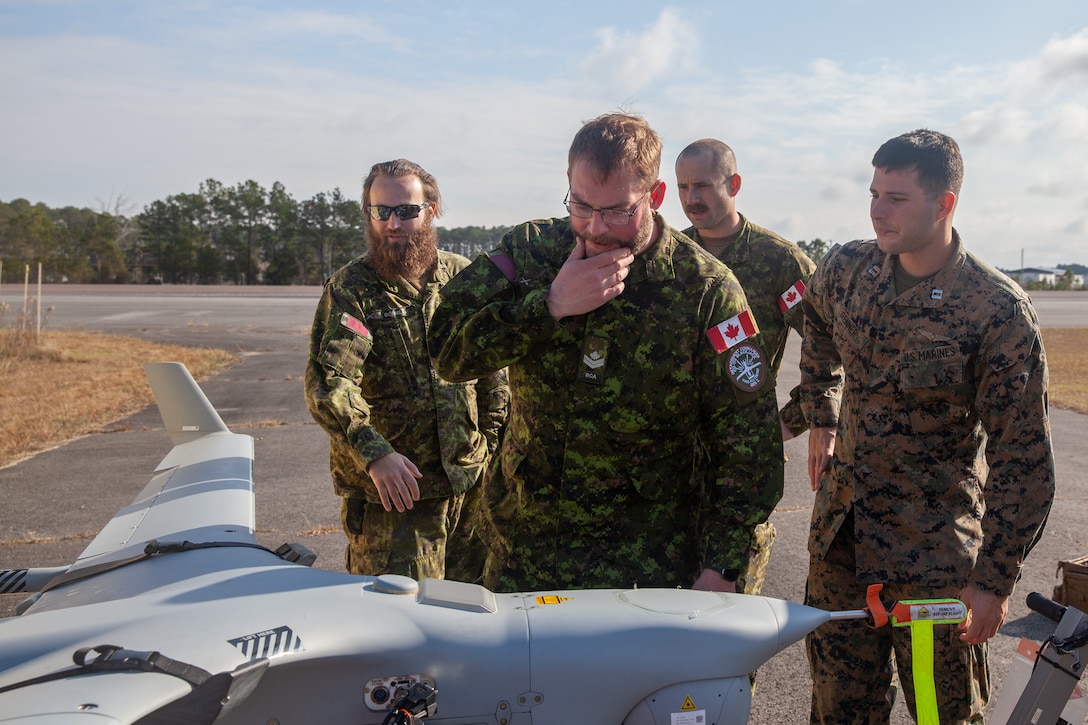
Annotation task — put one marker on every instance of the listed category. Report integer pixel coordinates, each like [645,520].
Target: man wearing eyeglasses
[643,445]
[772,271]
[405,445]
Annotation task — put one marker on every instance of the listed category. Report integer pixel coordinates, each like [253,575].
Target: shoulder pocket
[345,353]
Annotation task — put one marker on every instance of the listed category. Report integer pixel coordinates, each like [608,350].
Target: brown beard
[413,259]
[636,245]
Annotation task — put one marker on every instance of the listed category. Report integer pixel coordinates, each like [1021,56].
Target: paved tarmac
[94,476]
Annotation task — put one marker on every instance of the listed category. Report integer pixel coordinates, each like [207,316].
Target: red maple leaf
[731,331]
[791,296]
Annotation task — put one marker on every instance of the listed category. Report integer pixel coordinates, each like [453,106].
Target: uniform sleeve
[490,314]
[1012,403]
[792,414]
[745,467]
[339,347]
[821,367]
[803,269]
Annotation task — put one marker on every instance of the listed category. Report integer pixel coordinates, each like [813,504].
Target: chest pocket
[390,367]
[644,383]
[935,394]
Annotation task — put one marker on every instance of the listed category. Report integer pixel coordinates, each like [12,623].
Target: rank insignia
[594,358]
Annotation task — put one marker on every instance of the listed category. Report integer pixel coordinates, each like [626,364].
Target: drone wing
[201,493]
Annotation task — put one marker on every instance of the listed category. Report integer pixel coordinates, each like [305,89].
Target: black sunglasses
[380,213]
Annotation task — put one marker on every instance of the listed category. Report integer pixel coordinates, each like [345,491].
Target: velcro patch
[747,366]
[354,325]
[791,297]
[736,329]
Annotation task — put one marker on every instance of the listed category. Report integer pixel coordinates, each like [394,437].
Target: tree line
[243,234]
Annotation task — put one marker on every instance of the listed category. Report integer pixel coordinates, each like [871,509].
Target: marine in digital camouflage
[628,442]
[769,269]
[936,383]
[943,472]
[370,385]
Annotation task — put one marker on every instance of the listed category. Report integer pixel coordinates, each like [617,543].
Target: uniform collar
[738,251]
[931,292]
[655,263]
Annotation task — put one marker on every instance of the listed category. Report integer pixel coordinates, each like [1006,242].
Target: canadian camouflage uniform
[627,440]
[768,268]
[937,385]
[370,385]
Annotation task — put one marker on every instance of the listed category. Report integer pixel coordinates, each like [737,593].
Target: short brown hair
[719,152]
[935,156]
[618,141]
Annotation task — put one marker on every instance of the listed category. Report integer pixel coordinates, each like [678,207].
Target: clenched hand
[585,283]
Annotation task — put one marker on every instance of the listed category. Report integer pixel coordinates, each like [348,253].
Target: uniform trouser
[466,552]
[754,575]
[852,665]
[412,543]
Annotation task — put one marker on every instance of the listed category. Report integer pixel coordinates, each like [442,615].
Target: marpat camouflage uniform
[628,439]
[938,385]
[774,274]
[370,385]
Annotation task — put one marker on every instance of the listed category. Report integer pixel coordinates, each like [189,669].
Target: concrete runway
[92,477]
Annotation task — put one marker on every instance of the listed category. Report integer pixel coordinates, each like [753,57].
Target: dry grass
[1065,352]
[74,383]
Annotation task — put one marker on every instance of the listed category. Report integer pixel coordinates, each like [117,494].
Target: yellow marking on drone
[689,704]
[552,599]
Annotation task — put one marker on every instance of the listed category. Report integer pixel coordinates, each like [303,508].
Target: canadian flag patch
[736,329]
[789,299]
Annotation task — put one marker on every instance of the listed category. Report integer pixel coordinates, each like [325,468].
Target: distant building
[1040,276]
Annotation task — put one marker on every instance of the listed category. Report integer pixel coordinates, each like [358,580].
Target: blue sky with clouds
[140,100]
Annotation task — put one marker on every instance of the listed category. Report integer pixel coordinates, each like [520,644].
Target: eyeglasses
[380,213]
[611,217]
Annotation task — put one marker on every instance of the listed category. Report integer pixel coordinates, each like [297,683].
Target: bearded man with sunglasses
[643,446]
[405,445]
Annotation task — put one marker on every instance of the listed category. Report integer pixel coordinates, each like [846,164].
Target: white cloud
[101,115]
[1049,187]
[1078,227]
[321,23]
[625,63]
[1065,60]
[996,124]
[1068,122]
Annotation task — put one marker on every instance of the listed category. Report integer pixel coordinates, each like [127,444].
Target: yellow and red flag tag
[920,615]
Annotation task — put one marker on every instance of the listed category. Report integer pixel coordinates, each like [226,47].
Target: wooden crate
[1072,588]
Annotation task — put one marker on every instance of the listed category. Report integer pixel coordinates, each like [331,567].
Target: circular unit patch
[747,368]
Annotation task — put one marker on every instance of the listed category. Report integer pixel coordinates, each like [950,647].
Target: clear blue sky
[138,100]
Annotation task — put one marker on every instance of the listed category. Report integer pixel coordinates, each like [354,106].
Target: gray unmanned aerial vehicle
[175,614]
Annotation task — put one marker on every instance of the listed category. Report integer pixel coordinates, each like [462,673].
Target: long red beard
[412,258]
